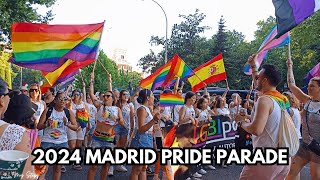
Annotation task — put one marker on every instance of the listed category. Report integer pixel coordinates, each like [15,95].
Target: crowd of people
[77,119]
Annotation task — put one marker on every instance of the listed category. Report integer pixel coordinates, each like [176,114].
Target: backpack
[287,136]
[50,109]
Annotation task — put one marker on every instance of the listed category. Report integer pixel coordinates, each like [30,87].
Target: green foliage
[195,50]
[28,75]
[13,11]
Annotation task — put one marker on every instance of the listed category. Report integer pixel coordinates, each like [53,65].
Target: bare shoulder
[265,101]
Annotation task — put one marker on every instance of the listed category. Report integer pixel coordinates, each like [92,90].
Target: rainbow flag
[169,99]
[157,78]
[82,117]
[47,47]
[280,98]
[178,68]
[270,42]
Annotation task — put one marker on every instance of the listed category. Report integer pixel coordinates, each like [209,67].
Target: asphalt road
[229,173]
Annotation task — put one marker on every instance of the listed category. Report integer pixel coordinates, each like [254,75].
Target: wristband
[239,123]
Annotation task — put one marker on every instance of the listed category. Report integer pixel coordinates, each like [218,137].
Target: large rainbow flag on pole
[157,78]
[47,47]
[178,68]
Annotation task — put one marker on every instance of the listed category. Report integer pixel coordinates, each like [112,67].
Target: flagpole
[98,49]
[194,73]
[104,68]
[289,49]
[227,83]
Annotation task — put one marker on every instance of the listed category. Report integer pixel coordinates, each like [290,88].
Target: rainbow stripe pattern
[178,68]
[279,98]
[169,99]
[157,78]
[102,137]
[82,117]
[47,47]
[55,134]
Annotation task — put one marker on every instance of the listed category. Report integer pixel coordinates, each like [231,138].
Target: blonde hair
[294,102]
[39,90]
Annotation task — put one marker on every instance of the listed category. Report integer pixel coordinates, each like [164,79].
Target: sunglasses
[125,94]
[34,90]
[23,90]
[7,94]
[62,98]
[76,95]
[107,95]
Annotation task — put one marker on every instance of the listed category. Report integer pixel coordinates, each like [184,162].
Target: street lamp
[166,42]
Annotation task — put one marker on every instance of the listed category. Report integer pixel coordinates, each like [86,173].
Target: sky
[129,24]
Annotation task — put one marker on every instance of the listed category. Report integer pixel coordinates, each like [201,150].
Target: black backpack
[50,109]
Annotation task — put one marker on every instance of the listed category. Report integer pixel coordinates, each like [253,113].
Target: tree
[150,62]
[5,69]
[220,37]
[13,11]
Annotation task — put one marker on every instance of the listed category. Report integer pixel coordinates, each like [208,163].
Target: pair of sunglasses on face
[34,90]
[76,95]
[107,95]
[62,98]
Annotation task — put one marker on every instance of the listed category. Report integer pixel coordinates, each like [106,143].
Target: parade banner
[219,132]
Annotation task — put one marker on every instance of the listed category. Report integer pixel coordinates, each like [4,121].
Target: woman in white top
[108,116]
[294,112]
[55,121]
[310,125]
[143,136]
[13,137]
[202,112]
[35,97]
[76,138]
[187,113]
[221,108]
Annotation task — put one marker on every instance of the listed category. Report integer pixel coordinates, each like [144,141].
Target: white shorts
[76,135]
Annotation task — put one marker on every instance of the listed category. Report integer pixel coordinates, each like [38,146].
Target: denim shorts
[142,141]
[101,144]
[121,130]
[47,145]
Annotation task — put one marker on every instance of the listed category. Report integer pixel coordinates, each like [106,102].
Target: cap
[24,86]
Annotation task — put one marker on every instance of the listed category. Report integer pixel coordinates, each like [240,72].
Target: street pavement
[229,173]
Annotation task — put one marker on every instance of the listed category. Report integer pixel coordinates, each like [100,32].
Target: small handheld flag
[167,99]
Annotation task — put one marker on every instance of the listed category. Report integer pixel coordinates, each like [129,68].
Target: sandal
[77,167]
[63,169]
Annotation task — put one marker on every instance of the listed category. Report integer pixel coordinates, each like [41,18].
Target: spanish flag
[210,72]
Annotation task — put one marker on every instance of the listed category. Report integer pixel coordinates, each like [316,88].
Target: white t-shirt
[92,113]
[176,110]
[297,121]
[189,112]
[40,109]
[56,133]
[126,114]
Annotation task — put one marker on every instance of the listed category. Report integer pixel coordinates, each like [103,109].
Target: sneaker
[224,166]
[210,167]
[63,169]
[202,172]
[77,167]
[197,175]
[110,171]
[121,168]
[188,178]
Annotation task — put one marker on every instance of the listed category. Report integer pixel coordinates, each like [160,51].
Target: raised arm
[176,86]
[91,88]
[84,92]
[292,85]
[109,81]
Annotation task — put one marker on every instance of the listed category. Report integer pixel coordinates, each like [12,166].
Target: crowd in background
[79,119]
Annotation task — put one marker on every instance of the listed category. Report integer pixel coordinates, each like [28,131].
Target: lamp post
[166,42]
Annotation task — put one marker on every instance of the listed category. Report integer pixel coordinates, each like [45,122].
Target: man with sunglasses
[24,89]
[265,120]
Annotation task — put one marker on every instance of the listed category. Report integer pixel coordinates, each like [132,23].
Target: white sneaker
[197,175]
[202,171]
[110,172]
[210,167]
[189,178]
[121,168]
